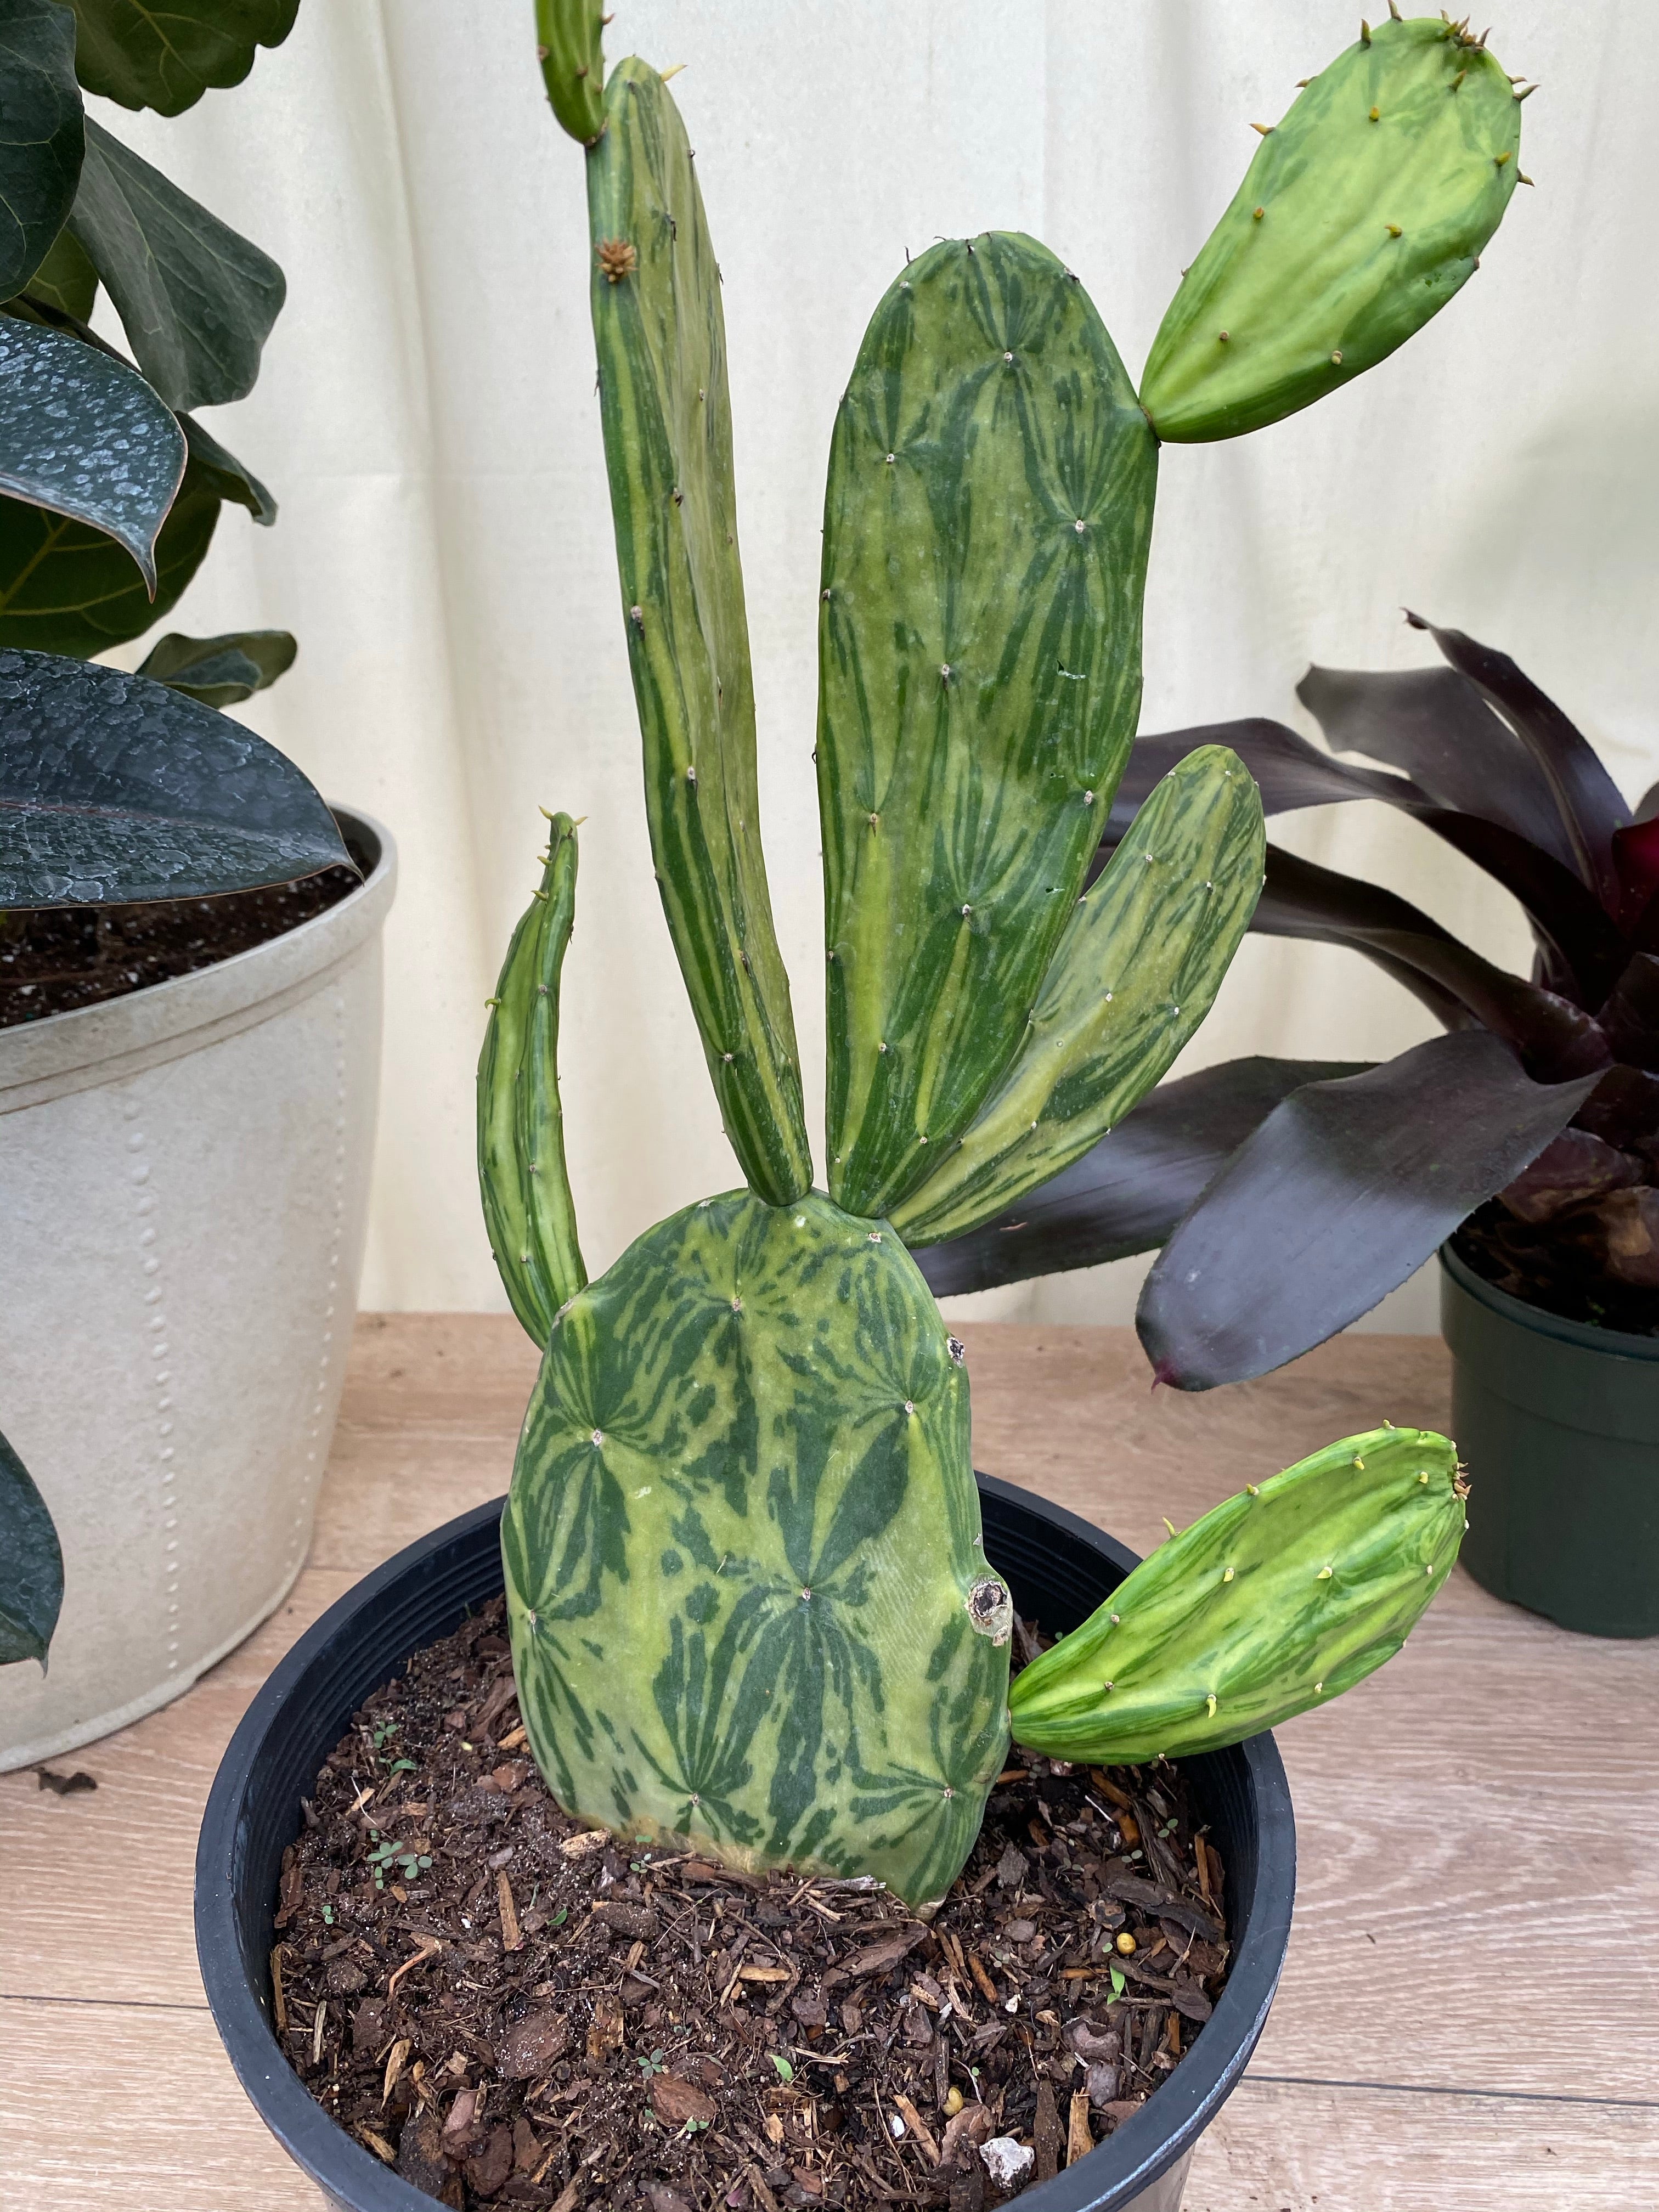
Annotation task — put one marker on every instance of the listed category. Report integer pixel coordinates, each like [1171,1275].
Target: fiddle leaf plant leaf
[220,672]
[82,437]
[30,1565]
[115,789]
[66,281]
[143,57]
[41,134]
[196,299]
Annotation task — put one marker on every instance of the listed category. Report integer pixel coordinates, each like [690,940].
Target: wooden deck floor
[1470,2018]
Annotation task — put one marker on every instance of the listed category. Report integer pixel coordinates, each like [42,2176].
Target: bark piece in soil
[671,2036]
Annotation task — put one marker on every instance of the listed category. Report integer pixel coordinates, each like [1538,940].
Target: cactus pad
[567,35]
[1136,971]
[527,1205]
[1276,1600]
[748,1601]
[667,422]
[1363,212]
[986,528]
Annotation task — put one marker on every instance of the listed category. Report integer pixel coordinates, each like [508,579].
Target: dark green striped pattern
[750,1608]
[1136,969]
[527,1205]
[668,449]
[986,529]
[1364,211]
[1278,1599]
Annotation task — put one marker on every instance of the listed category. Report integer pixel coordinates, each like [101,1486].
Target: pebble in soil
[514,2010]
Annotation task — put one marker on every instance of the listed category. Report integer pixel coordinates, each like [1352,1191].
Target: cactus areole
[749,1605]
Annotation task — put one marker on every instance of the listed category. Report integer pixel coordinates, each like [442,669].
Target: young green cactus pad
[668,449]
[1278,1599]
[749,1605]
[1364,211]
[1142,958]
[986,528]
[527,1204]
[568,38]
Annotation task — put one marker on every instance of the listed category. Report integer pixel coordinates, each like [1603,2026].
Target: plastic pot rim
[1587,1335]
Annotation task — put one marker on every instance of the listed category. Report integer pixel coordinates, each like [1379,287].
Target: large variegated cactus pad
[750,1607]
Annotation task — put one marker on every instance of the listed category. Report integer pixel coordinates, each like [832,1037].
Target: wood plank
[96,1902]
[160,2124]
[1279,2147]
[138,2111]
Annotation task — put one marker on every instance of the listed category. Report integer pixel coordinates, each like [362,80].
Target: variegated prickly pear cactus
[1141,959]
[1364,211]
[1278,1599]
[667,420]
[986,527]
[521,1172]
[748,1601]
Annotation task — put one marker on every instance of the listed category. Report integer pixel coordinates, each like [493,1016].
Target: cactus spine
[749,1602]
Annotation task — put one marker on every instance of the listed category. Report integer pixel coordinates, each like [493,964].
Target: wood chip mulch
[514,2010]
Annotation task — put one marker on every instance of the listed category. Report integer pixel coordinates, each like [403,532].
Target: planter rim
[1113,2175]
[88,1045]
[1611,1343]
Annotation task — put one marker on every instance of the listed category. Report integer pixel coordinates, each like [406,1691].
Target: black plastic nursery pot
[1557,1423]
[1060,1568]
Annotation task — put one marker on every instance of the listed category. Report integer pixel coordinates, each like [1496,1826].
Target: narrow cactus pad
[1278,1599]
[986,529]
[1364,211]
[667,421]
[749,1603]
[1135,974]
[527,1206]
[567,36]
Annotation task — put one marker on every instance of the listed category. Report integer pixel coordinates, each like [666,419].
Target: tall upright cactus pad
[667,424]
[527,1205]
[986,530]
[1141,961]
[1278,1599]
[748,1601]
[1363,212]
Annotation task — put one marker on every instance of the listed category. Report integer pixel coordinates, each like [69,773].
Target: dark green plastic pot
[1557,1423]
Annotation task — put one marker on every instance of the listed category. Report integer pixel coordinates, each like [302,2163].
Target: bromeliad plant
[1289,1196]
[749,1602]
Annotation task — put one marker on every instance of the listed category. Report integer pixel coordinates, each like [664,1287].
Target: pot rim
[1113,2175]
[87,1045]
[1614,1343]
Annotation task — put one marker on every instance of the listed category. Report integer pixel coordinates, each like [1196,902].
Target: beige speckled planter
[183,1185]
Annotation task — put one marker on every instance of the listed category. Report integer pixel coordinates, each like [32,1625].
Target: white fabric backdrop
[427,417]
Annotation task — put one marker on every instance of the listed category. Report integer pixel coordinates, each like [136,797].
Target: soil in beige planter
[184,1183]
